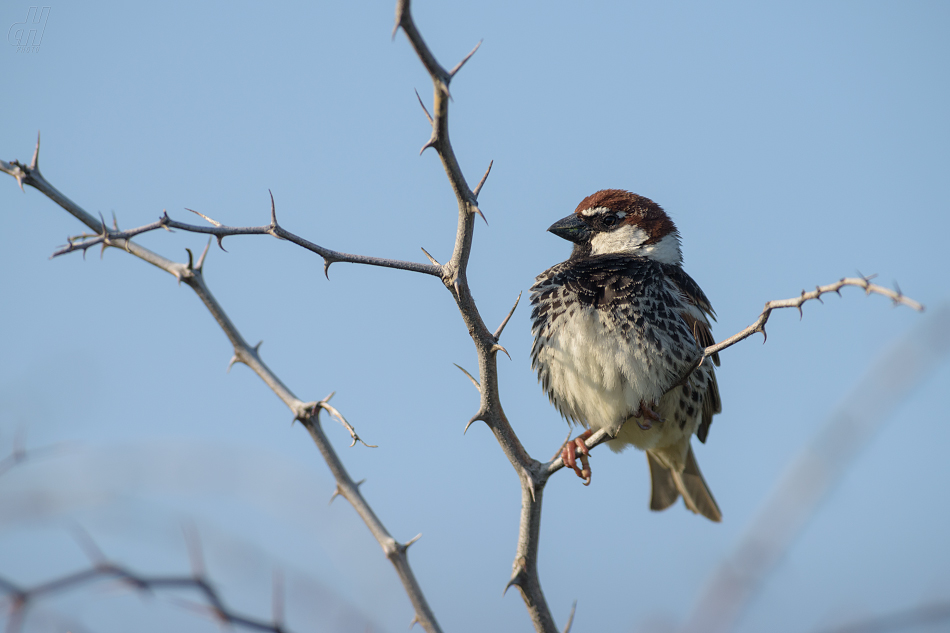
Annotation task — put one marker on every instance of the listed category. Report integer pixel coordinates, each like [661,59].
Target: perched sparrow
[615,328]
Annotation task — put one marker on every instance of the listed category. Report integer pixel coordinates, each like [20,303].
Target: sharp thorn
[273,210]
[326,268]
[470,377]
[431,258]
[221,243]
[458,66]
[477,416]
[479,211]
[430,143]
[481,182]
[204,254]
[35,163]
[214,222]
[423,106]
[190,259]
[514,582]
[501,327]
[570,618]
[400,8]
[498,348]
[234,359]
[412,540]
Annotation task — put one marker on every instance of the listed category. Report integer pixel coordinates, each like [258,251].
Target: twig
[106,237]
[861,282]
[896,296]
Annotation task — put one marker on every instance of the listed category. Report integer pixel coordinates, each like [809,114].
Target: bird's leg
[646,416]
[569,454]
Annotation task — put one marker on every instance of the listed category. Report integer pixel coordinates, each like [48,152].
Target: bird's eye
[610,221]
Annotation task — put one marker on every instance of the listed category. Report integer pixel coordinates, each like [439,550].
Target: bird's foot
[574,449]
[646,416]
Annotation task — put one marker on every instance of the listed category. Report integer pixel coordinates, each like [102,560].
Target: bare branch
[106,237]
[797,302]
[759,326]
[454,275]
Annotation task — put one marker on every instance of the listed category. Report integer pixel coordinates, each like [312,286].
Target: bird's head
[614,221]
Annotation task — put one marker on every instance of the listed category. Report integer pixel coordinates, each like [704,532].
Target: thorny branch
[18,599]
[533,475]
[861,282]
[308,413]
[106,237]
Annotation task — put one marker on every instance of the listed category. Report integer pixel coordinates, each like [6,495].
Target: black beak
[571,228]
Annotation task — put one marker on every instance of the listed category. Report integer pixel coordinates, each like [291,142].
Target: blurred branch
[812,475]
[19,454]
[19,599]
[905,619]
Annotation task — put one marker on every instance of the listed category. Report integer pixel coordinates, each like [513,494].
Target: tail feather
[664,492]
[668,485]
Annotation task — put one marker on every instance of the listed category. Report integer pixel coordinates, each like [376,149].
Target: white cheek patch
[626,239]
[666,251]
[629,239]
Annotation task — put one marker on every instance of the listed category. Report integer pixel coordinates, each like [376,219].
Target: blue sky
[792,145]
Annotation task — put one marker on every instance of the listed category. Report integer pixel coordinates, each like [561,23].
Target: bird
[616,328]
